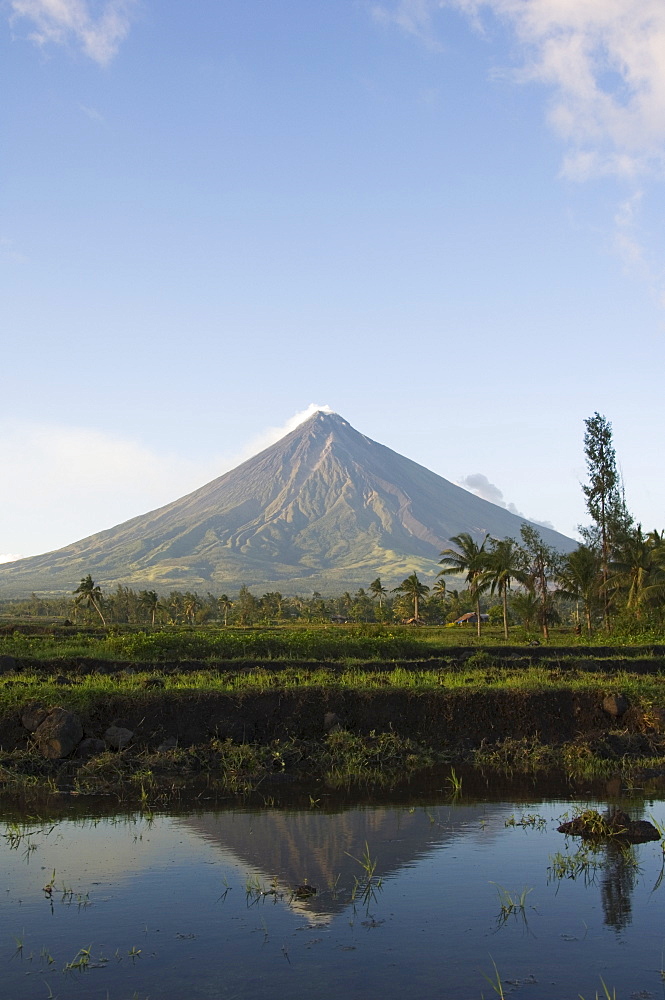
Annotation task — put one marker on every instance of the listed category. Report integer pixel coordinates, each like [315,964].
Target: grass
[79,690]
[433,689]
[512,905]
[495,981]
[532,820]
[367,885]
[585,862]
[324,642]
[454,783]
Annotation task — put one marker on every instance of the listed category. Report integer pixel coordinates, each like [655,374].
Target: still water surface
[202,905]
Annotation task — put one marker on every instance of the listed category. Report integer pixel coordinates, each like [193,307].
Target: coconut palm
[377,590]
[414,590]
[526,605]
[505,564]
[89,594]
[191,604]
[149,601]
[224,605]
[579,577]
[472,560]
[638,570]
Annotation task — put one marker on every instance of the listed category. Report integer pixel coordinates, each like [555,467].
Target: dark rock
[118,737]
[615,825]
[238,730]
[170,743]
[58,735]
[304,891]
[7,664]
[90,747]
[332,722]
[33,715]
[615,705]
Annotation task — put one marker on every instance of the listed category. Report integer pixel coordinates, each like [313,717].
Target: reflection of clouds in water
[324,849]
[314,920]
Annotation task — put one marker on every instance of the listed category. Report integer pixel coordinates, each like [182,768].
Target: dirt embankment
[440,719]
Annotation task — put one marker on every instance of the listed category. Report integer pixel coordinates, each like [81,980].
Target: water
[202,905]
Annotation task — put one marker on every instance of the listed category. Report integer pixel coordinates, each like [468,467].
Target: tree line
[614,579]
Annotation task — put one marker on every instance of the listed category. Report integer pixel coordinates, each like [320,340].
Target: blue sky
[444,220]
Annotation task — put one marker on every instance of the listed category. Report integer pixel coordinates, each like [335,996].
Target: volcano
[325,508]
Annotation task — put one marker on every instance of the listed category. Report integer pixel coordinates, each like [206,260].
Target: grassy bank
[322,643]
[240,726]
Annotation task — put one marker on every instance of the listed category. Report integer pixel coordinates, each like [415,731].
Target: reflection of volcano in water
[323,848]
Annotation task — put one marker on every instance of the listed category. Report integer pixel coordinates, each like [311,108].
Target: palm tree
[505,563]
[89,594]
[174,606]
[638,570]
[149,601]
[580,578]
[191,604]
[526,605]
[224,605]
[414,590]
[378,590]
[472,560]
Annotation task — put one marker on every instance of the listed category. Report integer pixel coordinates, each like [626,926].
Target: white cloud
[91,113]
[96,26]
[273,434]
[479,484]
[63,483]
[412,16]
[630,247]
[604,61]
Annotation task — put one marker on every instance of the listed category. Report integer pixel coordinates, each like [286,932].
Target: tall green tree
[506,563]
[579,579]
[89,594]
[363,607]
[604,498]
[543,564]
[637,571]
[471,559]
[149,602]
[247,607]
[224,605]
[378,591]
[191,605]
[414,590]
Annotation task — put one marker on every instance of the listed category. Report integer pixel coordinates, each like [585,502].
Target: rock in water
[615,825]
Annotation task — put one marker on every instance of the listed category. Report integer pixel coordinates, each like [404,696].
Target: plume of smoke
[480,485]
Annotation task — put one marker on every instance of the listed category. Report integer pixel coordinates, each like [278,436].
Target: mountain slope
[324,508]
